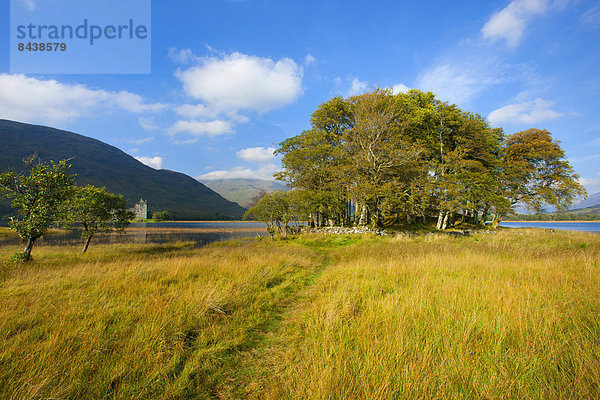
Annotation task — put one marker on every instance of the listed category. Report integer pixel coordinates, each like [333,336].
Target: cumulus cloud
[154,162]
[265,172]
[356,87]
[195,111]
[48,101]
[510,22]
[238,81]
[400,88]
[202,128]
[530,112]
[257,154]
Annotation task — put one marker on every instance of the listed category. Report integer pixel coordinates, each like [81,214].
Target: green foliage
[37,196]
[161,215]
[537,173]
[281,211]
[380,158]
[98,212]
[20,257]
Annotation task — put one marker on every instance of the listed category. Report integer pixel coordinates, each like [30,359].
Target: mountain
[242,190]
[591,201]
[593,210]
[100,164]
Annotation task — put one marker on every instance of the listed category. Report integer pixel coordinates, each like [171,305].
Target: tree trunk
[363,216]
[28,247]
[496,221]
[440,220]
[86,244]
[445,223]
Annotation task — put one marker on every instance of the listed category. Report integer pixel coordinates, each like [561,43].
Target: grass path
[508,315]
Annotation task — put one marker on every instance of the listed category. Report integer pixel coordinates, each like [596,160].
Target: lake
[567,226]
[201,233]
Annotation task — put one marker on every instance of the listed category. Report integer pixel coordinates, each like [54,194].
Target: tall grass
[509,315]
[512,315]
[138,322]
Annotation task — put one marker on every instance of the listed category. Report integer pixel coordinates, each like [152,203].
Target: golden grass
[512,315]
[137,321]
[509,315]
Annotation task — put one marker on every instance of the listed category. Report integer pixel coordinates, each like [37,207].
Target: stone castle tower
[141,209]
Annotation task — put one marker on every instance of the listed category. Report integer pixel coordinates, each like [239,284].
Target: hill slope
[242,190]
[100,164]
[593,200]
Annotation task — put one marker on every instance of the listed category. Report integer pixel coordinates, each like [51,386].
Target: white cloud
[148,124]
[459,83]
[591,184]
[510,22]
[585,159]
[592,17]
[48,101]
[140,141]
[265,172]
[309,59]
[400,88]
[241,82]
[530,112]
[181,56]
[356,87]
[202,128]
[30,5]
[257,154]
[154,162]
[195,111]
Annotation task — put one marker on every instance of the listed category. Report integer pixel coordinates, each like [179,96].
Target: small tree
[37,197]
[98,211]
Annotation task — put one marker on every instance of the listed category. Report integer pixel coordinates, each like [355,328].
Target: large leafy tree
[536,173]
[98,211]
[38,196]
[381,158]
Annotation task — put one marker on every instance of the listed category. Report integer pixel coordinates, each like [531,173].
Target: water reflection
[200,233]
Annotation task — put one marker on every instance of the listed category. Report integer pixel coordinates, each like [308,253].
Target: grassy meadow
[512,314]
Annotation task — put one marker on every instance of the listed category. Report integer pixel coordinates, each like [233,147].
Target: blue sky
[231,79]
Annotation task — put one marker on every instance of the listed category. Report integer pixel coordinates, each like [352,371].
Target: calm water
[201,233]
[567,226]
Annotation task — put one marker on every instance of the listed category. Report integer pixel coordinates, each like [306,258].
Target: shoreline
[563,222]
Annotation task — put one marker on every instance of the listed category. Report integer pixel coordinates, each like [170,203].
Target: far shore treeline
[382,158]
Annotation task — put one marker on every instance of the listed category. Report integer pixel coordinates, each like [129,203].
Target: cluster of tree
[382,158]
[46,196]
[161,215]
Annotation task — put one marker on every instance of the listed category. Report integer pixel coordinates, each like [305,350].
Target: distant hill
[100,164]
[595,210]
[242,190]
[591,201]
